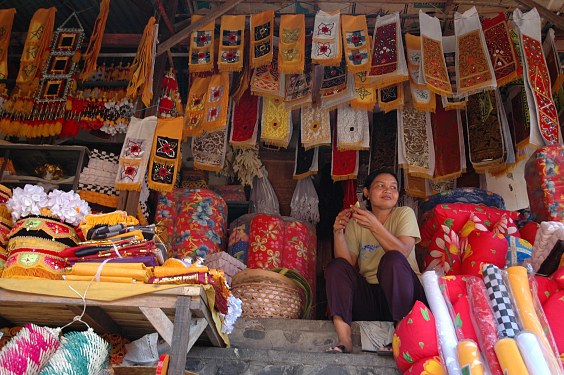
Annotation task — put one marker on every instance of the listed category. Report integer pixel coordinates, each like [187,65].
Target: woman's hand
[364,218]
[341,220]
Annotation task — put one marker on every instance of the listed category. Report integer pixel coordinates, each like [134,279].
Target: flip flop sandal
[338,349]
[385,350]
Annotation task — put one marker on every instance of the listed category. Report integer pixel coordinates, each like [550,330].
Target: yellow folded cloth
[137,271]
[107,279]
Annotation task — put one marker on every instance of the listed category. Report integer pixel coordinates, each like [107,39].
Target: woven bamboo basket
[267,294]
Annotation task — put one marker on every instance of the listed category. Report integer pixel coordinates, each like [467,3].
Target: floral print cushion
[553,308]
[483,248]
[457,295]
[415,337]
[194,222]
[444,252]
[506,227]
[427,366]
[545,183]
[518,252]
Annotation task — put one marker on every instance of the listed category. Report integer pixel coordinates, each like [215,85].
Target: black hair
[370,178]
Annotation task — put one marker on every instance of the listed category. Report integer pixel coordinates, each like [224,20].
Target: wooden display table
[180,314]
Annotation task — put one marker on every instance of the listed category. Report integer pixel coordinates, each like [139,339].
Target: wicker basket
[267,294]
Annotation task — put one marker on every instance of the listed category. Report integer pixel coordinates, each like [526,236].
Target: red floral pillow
[529,231]
[506,227]
[415,337]
[546,287]
[444,252]
[483,247]
[553,308]
[427,366]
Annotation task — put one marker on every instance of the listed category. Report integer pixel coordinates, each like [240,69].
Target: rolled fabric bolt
[510,358]
[469,358]
[532,354]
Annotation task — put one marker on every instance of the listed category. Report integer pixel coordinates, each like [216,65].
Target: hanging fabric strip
[6,22]
[366,93]
[36,44]
[326,38]
[276,126]
[337,87]
[166,156]
[473,66]
[315,127]
[391,98]
[388,64]
[446,140]
[306,161]
[344,164]
[194,113]
[91,54]
[352,129]
[297,87]
[143,65]
[501,49]
[456,101]
[217,103]
[422,98]
[485,140]
[209,150]
[135,153]
[383,144]
[202,50]
[553,61]
[231,44]
[536,73]
[355,42]
[508,143]
[435,74]
[291,44]
[415,186]
[262,34]
[520,117]
[416,152]
[266,81]
[244,123]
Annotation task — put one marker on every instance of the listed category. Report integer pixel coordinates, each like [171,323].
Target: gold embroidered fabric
[352,129]
[266,80]
[415,142]
[217,103]
[6,21]
[421,97]
[209,150]
[355,43]
[232,44]
[202,51]
[366,94]
[435,74]
[291,44]
[262,35]
[276,126]
[315,127]
[194,113]
[449,50]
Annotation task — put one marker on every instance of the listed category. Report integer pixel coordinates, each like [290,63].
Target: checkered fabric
[500,301]
[108,190]
[104,156]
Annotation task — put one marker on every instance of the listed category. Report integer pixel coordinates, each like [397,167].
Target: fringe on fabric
[276,126]
[202,50]
[217,103]
[195,105]
[262,38]
[391,98]
[422,98]
[434,72]
[291,44]
[93,49]
[232,44]
[355,43]
[166,154]
[326,38]
[209,150]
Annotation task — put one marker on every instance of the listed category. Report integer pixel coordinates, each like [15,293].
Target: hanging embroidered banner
[422,98]
[36,44]
[93,49]
[166,155]
[456,101]
[262,32]
[344,164]
[209,150]
[355,42]
[553,61]
[231,44]
[485,139]
[135,153]
[474,70]
[391,98]
[6,22]
[202,50]
[415,186]
[416,152]
[332,99]
[244,122]
[266,80]
[326,38]
[352,129]
[194,113]
[297,87]
[448,140]
[388,64]
[501,49]
[306,161]
[315,127]
[520,117]
[366,92]
[291,44]
[217,103]
[276,125]
[508,142]
[383,144]
[536,73]
[433,66]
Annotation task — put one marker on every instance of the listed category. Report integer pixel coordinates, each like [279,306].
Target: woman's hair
[370,178]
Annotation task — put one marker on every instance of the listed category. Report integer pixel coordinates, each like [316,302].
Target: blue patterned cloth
[462,195]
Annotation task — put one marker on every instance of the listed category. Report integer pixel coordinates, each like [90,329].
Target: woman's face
[383,192]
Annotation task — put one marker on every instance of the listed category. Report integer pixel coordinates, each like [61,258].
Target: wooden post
[180,336]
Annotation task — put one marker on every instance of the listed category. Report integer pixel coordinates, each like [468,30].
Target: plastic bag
[305,202]
[263,198]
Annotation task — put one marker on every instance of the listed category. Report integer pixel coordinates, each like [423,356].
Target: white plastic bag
[263,197]
[305,202]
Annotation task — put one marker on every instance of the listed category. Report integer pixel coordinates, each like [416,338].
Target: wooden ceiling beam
[547,14]
[185,33]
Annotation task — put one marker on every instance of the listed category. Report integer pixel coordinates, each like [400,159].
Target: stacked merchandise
[5,224]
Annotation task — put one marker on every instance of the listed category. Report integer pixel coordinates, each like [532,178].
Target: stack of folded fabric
[96,182]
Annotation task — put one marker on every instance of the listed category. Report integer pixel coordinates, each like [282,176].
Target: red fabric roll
[299,250]
[266,242]
[484,321]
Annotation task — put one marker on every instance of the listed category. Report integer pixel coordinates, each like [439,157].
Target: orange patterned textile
[435,74]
